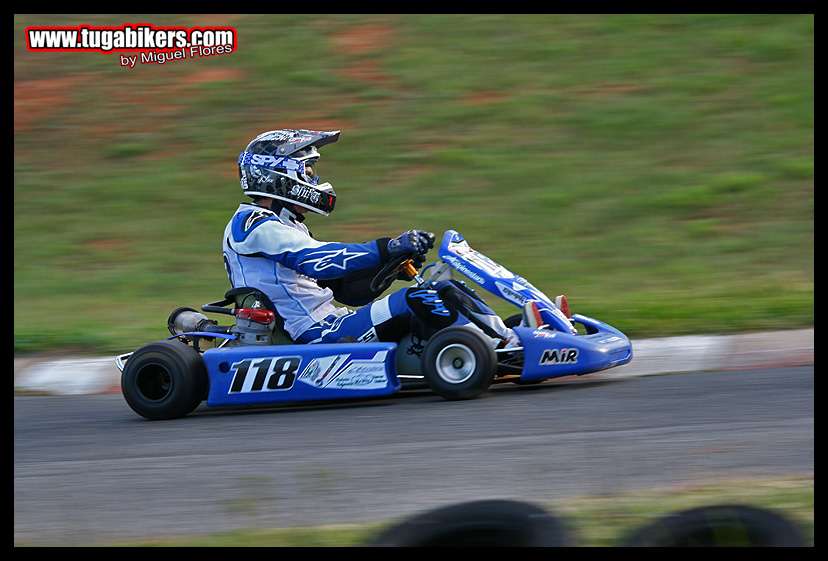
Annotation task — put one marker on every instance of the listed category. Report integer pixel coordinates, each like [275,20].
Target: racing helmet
[282,164]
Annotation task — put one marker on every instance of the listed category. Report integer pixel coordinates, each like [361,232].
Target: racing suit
[273,251]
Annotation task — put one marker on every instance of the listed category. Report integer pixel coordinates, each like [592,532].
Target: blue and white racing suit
[274,252]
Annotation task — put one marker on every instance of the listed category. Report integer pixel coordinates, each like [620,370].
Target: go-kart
[253,362]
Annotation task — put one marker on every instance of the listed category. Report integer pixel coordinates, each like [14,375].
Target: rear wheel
[164,380]
[458,363]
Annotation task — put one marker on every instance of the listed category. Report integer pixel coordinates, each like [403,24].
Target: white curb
[672,354]
[691,353]
[71,376]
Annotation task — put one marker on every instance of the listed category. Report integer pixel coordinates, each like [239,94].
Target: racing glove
[412,242]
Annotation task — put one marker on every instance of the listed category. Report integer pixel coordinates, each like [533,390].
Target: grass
[595,520]
[657,169]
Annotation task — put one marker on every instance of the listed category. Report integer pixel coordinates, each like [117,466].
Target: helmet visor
[311,173]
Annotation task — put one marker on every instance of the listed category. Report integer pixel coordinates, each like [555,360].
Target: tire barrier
[518,524]
[718,525]
[479,523]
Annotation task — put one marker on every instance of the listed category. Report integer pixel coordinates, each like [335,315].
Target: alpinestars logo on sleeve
[336,258]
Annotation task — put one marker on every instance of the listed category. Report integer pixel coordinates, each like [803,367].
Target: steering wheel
[388,273]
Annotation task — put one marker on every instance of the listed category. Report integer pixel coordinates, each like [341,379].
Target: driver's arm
[298,251]
[355,289]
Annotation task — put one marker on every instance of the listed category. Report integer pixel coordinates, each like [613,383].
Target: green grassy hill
[657,169]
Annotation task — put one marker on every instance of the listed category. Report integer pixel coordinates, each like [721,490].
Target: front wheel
[459,363]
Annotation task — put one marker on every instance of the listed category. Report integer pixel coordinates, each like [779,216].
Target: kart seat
[246,297]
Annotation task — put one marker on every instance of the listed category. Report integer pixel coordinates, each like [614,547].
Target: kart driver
[268,247]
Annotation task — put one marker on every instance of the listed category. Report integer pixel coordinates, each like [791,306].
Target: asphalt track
[87,469]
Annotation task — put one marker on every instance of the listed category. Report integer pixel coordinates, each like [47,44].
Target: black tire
[468,344]
[164,380]
[718,525]
[489,523]
[513,320]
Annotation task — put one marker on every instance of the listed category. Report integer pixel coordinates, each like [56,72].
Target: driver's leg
[387,319]
[472,309]
[447,302]
[432,308]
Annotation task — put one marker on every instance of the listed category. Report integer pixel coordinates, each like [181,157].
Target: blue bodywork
[550,352]
[283,373]
[495,278]
[249,375]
